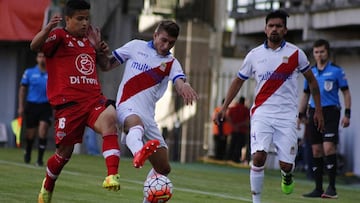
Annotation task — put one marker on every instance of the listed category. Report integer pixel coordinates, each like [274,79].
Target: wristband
[301,115]
[348,113]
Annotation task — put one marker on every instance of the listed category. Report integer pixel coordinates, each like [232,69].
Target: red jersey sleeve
[52,42]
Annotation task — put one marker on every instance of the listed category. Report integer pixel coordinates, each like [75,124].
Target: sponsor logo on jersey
[51,38]
[143,54]
[85,64]
[272,75]
[60,134]
[139,66]
[82,80]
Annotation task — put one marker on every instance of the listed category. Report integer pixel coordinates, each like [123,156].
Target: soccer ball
[158,189]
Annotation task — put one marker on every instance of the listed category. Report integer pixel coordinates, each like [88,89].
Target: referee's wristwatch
[348,113]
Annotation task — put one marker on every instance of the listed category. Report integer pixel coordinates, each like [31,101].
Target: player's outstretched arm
[41,36]
[235,86]
[186,91]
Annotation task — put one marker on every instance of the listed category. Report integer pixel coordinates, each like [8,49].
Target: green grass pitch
[81,180]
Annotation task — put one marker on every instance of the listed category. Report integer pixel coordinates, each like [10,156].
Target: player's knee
[286,167]
[132,121]
[318,152]
[259,158]
[163,170]
[109,114]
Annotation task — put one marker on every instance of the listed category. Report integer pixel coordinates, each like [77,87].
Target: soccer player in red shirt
[74,91]
[240,118]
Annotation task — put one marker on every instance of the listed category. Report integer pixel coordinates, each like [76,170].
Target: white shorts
[151,130]
[281,132]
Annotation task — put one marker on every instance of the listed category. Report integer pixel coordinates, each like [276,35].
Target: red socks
[111,153]
[54,166]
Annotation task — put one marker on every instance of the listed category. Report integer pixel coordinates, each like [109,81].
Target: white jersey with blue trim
[146,75]
[276,73]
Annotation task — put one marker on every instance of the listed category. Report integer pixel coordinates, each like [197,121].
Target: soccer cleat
[44,195]
[148,149]
[330,193]
[287,184]
[112,182]
[314,194]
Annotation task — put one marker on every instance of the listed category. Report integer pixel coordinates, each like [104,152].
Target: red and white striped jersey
[276,73]
[146,74]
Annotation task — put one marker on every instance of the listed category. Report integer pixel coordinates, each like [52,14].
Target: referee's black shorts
[331,119]
[36,112]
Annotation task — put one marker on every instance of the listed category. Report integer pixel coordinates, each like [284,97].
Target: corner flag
[16,128]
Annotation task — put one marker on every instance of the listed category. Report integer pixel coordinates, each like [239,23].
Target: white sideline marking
[213,194]
[225,196]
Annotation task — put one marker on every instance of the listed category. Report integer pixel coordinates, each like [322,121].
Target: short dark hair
[277,14]
[74,5]
[168,26]
[322,42]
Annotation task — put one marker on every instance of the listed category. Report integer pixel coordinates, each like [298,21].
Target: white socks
[256,182]
[134,138]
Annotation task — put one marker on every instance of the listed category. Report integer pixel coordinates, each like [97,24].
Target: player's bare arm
[100,46]
[315,92]
[303,102]
[22,95]
[186,91]
[102,58]
[40,37]
[94,36]
[235,86]
[302,109]
[345,121]
[109,63]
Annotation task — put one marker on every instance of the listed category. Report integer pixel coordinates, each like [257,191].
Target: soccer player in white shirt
[149,67]
[275,65]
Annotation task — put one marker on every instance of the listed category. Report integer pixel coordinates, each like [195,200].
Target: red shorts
[72,118]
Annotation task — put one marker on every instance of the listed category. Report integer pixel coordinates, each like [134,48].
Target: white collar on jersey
[283,42]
